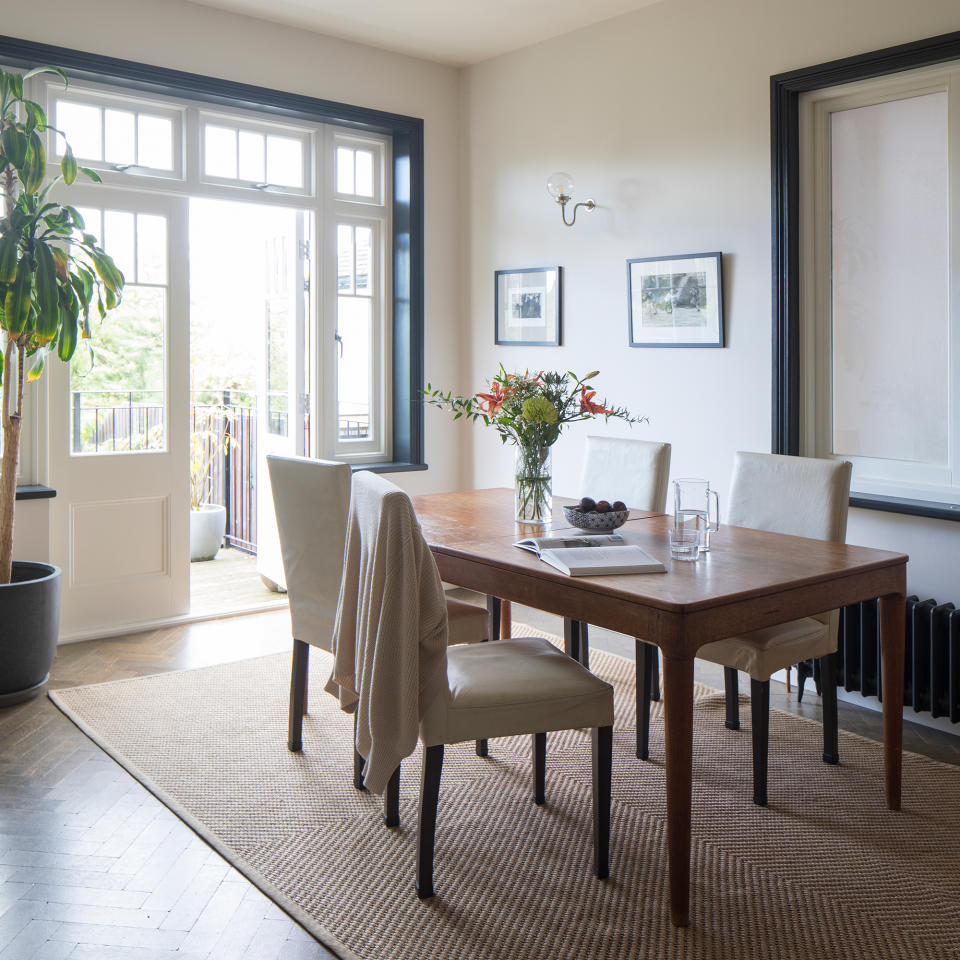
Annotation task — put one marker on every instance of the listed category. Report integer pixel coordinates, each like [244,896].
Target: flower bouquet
[529,411]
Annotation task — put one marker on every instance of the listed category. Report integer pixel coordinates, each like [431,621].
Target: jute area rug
[824,871]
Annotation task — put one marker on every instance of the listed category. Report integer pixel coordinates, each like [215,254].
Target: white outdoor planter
[207,525]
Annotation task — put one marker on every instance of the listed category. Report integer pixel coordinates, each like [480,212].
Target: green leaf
[9,249]
[16,304]
[48,295]
[35,168]
[92,174]
[68,166]
[67,343]
[16,85]
[37,368]
[15,144]
[36,71]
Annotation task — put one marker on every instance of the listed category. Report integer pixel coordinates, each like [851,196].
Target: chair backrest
[801,496]
[620,468]
[390,638]
[312,501]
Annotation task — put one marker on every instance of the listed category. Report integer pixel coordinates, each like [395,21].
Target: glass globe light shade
[560,184]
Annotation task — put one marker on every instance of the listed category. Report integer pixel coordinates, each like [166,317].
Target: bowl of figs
[590,514]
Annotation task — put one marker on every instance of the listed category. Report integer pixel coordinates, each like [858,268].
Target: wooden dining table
[749,579]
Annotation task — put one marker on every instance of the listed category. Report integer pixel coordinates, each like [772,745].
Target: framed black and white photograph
[676,301]
[528,306]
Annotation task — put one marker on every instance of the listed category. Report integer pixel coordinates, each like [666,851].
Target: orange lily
[491,403]
[587,404]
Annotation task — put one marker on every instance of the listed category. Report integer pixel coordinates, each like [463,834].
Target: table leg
[678,743]
[892,624]
[506,620]
[494,616]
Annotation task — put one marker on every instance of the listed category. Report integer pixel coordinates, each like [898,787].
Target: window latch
[339,340]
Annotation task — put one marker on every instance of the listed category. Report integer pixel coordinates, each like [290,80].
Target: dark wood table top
[741,563]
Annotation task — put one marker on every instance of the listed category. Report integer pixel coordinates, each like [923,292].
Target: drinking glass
[696,506]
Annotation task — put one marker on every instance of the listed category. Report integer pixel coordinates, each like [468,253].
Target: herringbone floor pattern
[91,864]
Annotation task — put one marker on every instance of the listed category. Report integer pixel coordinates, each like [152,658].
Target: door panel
[118,434]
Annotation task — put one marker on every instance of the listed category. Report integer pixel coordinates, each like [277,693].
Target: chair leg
[655,677]
[571,638]
[539,768]
[760,721]
[602,750]
[584,644]
[391,800]
[645,654]
[358,760]
[731,686]
[494,621]
[828,681]
[298,695]
[427,821]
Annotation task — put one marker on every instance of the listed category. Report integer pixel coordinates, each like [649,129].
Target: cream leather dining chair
[312,502]
[394,670]
[803,497]
[636,472]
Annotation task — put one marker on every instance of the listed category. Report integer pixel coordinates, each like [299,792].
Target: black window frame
[407,205]
[785,92]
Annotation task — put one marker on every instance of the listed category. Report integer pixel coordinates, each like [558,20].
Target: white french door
[283,402]
[118,428]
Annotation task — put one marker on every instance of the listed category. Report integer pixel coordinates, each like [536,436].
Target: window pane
[252,157]
[118,240]
[151,249]
[278,383]
[220,152]
[284,161]
[890,280]
[120,136]
[80,124]
[354,316]
[155,142]
[364,173]
[344,259]
[344,170]
[117,398]
[92,222]
[364,239]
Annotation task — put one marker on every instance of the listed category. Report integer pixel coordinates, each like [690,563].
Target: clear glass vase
[533,484]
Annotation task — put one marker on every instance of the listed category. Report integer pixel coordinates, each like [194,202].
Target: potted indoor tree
[210,440]
[51,273]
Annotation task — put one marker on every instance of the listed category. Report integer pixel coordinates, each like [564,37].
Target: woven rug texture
[825,871]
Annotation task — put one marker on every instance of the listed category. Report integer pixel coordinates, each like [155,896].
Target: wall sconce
[560,187]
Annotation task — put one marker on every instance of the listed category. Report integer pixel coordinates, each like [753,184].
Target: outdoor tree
[52,272]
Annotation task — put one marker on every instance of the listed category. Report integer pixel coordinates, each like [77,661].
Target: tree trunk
[11,456]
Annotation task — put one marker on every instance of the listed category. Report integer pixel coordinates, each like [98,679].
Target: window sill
[914,508]
[394,466]
[35,491]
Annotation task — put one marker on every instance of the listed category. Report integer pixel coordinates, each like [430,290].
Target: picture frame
[675,301]
[528,307]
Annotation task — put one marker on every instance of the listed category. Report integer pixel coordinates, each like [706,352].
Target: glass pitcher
[696,506]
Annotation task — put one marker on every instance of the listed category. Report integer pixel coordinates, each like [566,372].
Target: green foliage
[51,270]
[531,410]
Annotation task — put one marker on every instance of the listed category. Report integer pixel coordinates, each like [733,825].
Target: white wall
[183,36]
[662,116]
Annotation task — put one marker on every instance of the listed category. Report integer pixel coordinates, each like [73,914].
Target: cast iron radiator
[931,677]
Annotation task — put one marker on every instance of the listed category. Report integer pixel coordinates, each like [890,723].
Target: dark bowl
[596,521]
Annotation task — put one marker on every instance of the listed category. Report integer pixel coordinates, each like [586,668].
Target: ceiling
[448,31]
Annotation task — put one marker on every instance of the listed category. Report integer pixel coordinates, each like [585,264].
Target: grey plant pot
[207,525]
[30,618]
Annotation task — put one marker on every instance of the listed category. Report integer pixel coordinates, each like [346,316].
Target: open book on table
[592,556]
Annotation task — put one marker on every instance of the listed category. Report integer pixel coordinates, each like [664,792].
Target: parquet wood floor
[92,866]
